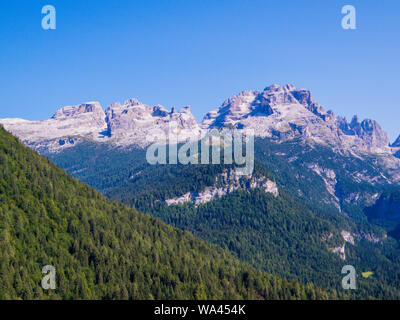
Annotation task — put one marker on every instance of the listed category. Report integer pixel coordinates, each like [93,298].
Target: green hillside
[104,250]
[280,236]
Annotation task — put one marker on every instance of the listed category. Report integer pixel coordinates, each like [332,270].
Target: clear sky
[198,53]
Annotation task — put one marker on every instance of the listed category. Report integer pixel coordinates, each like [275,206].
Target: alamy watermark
[49,280]
[349,20]
[349,281]
[227,146]
[49,20]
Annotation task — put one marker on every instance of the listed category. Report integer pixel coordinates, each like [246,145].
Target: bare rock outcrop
[224,184]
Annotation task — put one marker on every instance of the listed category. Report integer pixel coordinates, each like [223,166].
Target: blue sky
[198,53]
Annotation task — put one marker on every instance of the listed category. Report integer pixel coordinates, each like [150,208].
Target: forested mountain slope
[287,234]
[104,250]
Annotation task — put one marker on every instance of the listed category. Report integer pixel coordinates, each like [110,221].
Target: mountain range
[278,112]
[324,191]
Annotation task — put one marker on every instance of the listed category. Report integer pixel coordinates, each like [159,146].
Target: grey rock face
[132,122]
[67,126]
[278,112]
[284,112]
[126,124]
[224,184]
[92,108]
[234,109]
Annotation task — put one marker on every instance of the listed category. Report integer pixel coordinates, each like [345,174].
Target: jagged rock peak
[132,102]
[73,111]
[285,112]
[67,126]
[251,103]
[133,109]
[132,122]
[277,112]
[368,130]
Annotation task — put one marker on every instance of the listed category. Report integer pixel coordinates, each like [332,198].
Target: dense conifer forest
[104,250]
[281,236]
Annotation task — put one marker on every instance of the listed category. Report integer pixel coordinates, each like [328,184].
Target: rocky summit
[278,112]
[128,124]
[64,129]
[132,122]
[284,112]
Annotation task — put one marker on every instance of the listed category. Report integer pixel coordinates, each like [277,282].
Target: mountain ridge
[279,112]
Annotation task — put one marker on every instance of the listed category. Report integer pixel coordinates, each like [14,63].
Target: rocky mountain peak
[67,126]
[231,110]
[277,112]
[276,94]
[131,122]
[254,103]
[132,102]
[285,112]
[368,130]
[89,108]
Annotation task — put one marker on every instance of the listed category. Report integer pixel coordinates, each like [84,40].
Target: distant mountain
[104,250]
[290,125]
[122,125]
[284,112]
[130,123]
[278,112]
